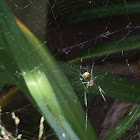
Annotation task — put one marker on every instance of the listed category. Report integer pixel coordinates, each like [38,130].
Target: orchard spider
[90,82]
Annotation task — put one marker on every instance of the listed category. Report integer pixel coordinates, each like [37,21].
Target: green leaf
[9,63]
[45,83]
[124,124]
[114,86]
[116,46]
[101,12]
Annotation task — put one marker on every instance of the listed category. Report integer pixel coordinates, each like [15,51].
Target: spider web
[67,41]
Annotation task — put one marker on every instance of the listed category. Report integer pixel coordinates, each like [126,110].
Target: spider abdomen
[86,76]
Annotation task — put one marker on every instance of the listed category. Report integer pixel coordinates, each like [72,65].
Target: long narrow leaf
[124,124]
[48,86]
[116,46]
[102,12]
[114,86]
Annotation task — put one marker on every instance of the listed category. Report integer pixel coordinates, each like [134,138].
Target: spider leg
[81,74]
[92,69]
[85,98]
[98,77]
[85,82]
[102,93]
[86,104]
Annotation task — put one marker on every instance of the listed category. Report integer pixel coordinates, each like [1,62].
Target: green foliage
[102,12]
[124,124]
[45,84]
[114,86]
[28,63]
[111,47]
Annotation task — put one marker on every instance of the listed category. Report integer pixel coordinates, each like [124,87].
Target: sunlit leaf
[45,83]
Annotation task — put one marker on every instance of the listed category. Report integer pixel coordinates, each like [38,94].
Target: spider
[90,82]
